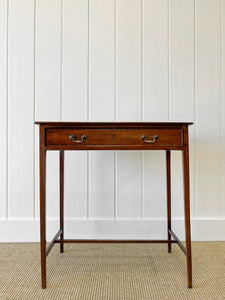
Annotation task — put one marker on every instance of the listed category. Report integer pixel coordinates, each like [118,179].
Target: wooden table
[113,136]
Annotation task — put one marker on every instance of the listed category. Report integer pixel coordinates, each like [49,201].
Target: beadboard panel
[101,64]
[181,60]
[101,104]
[155,60]
[128,185]
[223,106]
[74,60]
[155,102]
[128,104]
[181,91]
[48,60]
[128,60]
[28,230]
[154,203]
[112,60]
[75,100]
[48,91]
[208,107]
[3,106]
[20,109]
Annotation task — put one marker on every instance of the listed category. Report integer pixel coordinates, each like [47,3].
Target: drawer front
[112,137]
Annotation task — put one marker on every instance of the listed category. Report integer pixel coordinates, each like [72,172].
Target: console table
[113,136]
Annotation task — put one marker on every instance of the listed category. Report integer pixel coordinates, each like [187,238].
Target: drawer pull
[155,138]
[72,137]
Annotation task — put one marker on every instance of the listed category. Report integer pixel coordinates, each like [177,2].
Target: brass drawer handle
[72,137]
[155,138]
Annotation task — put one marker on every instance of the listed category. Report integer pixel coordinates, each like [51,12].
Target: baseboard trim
[28,230]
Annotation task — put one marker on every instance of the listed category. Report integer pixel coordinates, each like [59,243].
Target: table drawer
[130,137]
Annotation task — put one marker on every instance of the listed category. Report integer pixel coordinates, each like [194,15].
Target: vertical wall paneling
[36,168]
[48,62]
[192,163]
[112,60]
[155,60]
[101,60]
[128,52]
[3,106]
[177,193]
[101,104]
[181,88]
[74,100]
[128,104]
[223,101]
[208,116]
[74,60]
[48,90]
[20,108]
[128,185]
[155,102]
[181,60]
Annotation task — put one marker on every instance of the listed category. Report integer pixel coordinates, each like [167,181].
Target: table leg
[62,199]
[187,207]
[168,177]
[42,207]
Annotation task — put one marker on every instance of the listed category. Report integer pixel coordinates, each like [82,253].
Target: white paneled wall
[20,114]
[112,60]
[155,102]
[75,59]
[101,105]
[208,108]
[3,108]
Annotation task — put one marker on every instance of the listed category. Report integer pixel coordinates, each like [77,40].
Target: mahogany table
[114,136]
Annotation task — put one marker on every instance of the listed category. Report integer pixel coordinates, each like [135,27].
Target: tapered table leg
[168,177]
[187,207]
[62,199]
[42,207]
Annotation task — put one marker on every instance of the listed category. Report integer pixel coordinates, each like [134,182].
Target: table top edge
[111,123]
